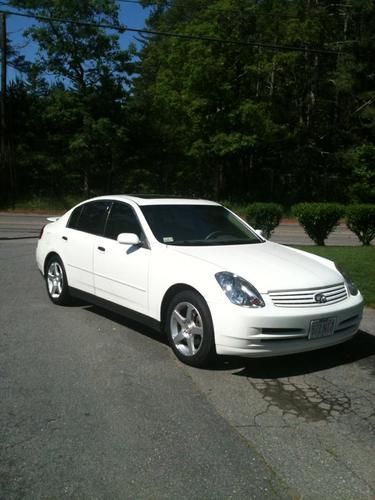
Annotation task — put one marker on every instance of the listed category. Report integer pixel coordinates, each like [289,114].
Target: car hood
[268,266]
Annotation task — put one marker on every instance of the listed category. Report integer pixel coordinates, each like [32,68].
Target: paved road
[20,226]
[93,406]
[288,232]
[92,409]
[291,233]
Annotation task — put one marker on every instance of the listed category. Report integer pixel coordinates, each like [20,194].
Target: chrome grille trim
[306,298]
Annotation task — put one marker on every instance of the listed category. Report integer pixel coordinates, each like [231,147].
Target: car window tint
[74,217]
[122,219]
[197,225]
[93,217]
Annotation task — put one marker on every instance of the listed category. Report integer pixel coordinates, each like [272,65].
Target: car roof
[146,199]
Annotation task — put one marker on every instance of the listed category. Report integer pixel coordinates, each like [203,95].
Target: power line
[116,27]
[225,11]
[122,29]
[225,41]
[270,46]
[208,7]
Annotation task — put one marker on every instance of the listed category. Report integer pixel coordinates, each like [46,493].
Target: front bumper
[275,331]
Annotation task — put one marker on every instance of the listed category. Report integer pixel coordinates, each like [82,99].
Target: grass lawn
[358,262]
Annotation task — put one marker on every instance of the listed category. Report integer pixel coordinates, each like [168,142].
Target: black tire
[189,328]
[56,281]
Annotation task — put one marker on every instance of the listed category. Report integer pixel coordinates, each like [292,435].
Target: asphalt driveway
[94,406]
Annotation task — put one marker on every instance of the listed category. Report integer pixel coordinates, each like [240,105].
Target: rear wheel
[56,282]
[189,329]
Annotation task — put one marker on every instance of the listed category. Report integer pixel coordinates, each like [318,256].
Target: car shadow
[124,321]
[360,348]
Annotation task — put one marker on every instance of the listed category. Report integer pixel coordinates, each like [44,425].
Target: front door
[121,271]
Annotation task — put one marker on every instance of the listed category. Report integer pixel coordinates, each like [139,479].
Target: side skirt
[115,308]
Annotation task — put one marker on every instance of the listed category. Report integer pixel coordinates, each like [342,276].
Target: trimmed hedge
[361,220]
[264,216]
[318,219]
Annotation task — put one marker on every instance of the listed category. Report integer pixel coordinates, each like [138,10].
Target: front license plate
[322,328]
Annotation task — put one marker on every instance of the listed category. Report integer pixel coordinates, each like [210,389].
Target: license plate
[322,328]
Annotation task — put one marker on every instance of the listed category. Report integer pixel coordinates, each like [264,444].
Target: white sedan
[199,273]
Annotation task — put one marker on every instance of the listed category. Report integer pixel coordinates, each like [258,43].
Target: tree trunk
[85,183]
[272,79]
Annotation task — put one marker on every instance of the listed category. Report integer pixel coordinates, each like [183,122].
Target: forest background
[239,100]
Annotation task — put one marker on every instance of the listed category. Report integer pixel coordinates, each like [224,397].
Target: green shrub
[361,220]
[264,216]
[318,219]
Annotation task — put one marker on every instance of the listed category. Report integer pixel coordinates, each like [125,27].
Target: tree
[200,96]
[251,122]
[72,45]
[92,73]
[286,115]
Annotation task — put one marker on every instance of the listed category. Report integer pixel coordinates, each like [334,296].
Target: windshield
[197,225]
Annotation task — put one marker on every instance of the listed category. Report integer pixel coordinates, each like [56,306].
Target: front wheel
[56,282]
[189,329]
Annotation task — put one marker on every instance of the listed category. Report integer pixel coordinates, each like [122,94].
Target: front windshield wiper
[201,243]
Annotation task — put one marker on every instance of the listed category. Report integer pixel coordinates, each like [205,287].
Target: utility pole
[3,43]
[3,81]
[6,171]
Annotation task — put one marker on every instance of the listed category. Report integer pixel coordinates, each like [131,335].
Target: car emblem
[320,298]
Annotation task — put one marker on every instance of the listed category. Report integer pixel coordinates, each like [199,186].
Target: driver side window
[122,219]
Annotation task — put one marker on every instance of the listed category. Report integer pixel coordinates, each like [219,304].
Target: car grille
[313,297]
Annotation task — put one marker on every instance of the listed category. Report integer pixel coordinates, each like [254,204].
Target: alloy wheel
[55,280]
[186,328]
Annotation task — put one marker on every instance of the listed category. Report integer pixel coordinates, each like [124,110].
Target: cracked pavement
[310,415]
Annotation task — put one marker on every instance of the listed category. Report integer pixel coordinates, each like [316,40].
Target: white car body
[138,279]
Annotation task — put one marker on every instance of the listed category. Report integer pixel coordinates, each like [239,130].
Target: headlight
[350,285]
[238,290]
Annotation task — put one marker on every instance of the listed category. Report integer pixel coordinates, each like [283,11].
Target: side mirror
[259,232]
[128,239]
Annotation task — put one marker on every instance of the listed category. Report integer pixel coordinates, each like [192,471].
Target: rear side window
[122,219]
[74,216]
[90,217]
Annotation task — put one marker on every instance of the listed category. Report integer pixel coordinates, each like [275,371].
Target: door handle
[101,249]
[64,238]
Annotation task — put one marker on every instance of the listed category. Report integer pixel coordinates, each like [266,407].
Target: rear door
[85,224]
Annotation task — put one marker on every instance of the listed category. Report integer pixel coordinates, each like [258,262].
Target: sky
[130,14]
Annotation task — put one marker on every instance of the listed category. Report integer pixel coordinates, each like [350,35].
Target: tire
[56,282]
[189,329]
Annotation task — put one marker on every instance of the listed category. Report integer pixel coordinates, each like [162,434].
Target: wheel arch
[170,293]
[207,346]
[48,258]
